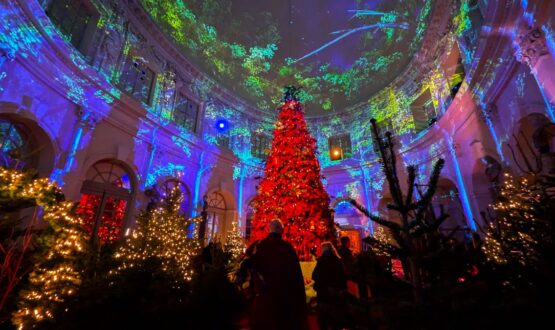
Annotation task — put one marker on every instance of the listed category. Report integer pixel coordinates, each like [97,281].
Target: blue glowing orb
[222,125]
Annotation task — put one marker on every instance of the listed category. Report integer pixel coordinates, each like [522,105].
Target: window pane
[129,75]
[108,230]
[222,140]
[16,146]
[137,79]
[145,83]
[71,17]
[260,145]
[340,146]
[185,113]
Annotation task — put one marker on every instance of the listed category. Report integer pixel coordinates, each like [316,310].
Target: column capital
[86,119]
[530,46]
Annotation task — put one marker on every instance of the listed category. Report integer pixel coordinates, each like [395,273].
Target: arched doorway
[544,141]
[105,198]
[347,216]
[531,147]
[167,186]
[216,214]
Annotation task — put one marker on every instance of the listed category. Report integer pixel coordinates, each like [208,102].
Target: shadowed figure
[280,298]
[330,284]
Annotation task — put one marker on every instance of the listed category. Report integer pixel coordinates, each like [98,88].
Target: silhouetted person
[330,283]
[346,255]
[280,299]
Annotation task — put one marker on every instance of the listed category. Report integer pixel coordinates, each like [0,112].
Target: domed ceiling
[340,51]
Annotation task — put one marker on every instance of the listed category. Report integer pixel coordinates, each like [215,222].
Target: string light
[56,276]
[383,240]
[514,236]
[161,234]
[234,243]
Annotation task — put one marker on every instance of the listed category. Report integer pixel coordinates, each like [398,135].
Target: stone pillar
[531,49]
[85,123]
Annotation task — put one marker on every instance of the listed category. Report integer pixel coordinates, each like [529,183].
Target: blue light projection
[346,33]
[222,125]
[240,194]
[99,93]
[461,185]
[491,128]
[160,171]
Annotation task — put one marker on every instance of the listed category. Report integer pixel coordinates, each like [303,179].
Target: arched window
[18,149]
[105,199]
[167,186]
[216,215]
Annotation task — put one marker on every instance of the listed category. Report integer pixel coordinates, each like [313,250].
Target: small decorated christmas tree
[57,273]
[292,189]
[234,244]
[161,234]
[522,232]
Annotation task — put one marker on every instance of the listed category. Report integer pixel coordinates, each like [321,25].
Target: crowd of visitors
[276,288]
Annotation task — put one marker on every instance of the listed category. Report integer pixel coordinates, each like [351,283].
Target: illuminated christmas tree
[292,189]
[234,244]
[57,273]
[161,234]
[521,235]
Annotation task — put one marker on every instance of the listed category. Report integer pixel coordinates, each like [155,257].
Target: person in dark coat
[346,256]
[280,299]
[330,284]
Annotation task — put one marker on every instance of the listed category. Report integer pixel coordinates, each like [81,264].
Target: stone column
[85,123]
[531,49]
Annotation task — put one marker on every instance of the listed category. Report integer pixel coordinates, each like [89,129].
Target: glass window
[137,79]
[72,18]
[260,145]
[222,139]
[17,149]
[340,147]
[105,197]
[215,216]
[167,186]
[384,126]
[423,111]
[185,113]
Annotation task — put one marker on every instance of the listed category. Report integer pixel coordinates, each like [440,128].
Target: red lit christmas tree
[292,189]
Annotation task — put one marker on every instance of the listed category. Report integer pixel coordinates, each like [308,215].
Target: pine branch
[411,172]
[396,191]
[388,165]
[386,223]
[432,185]
[428,228]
